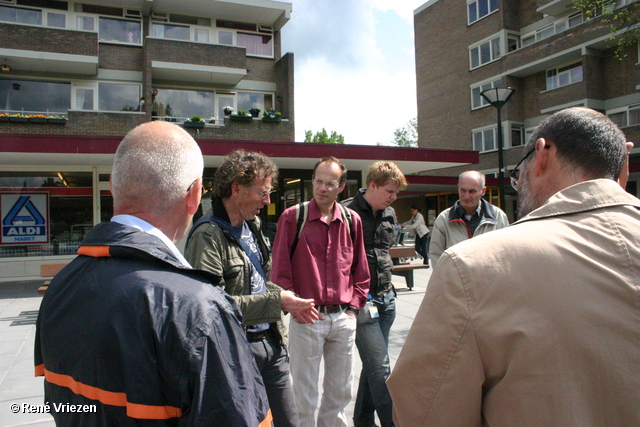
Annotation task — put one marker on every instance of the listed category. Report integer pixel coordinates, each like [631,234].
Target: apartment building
[549,52]
[76,76]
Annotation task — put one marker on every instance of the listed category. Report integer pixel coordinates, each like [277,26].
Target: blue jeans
[422,247]
[372,340]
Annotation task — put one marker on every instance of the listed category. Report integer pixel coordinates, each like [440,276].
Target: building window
[553,29]
[170,31]
[182,104]
[484,140]
[477,101]
[70,209]
[484,53]
[118,97]
[478,9]
[247,100]
[629,116]
[84,98]
[17,15]
[517,135]
[119,30]
[33,97]
[564,76]
[256,38]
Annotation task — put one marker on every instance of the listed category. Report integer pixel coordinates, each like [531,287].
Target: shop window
[70,214]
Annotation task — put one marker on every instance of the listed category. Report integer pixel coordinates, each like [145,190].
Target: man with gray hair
[469,216]
[129,329]
[537,324]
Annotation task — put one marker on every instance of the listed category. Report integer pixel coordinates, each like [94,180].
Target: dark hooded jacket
[127,328]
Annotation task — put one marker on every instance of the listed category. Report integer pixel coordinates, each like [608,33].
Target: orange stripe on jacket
[134,410]
[94,251]
[267,421]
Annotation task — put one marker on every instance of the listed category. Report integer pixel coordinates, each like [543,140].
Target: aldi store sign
[25,218]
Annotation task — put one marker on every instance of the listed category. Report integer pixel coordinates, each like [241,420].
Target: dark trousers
[272,359]
[372,339]
[422,246]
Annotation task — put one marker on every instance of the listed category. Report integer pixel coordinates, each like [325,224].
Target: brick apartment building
[76,76]
[548,51]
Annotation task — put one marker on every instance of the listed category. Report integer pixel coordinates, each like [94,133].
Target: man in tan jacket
[537,324]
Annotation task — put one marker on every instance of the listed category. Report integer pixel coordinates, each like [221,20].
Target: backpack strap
[302,213]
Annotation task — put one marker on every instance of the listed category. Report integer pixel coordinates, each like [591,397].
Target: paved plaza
[19,303]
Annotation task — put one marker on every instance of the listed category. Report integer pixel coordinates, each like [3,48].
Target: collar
[142,225]
[315,214]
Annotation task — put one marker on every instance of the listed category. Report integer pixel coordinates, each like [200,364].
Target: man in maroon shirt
[326,262]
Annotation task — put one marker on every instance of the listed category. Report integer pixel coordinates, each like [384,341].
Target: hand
[303,310]
[624,175]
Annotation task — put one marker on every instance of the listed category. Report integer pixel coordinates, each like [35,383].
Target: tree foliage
[323,137]
[624,22]
[407,136]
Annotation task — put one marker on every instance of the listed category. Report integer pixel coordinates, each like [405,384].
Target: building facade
[76,76]
[549,52]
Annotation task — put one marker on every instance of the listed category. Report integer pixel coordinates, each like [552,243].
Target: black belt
[330,309]
[256,336]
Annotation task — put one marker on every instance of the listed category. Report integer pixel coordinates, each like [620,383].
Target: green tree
[407,136]
[624,22]
[323,137]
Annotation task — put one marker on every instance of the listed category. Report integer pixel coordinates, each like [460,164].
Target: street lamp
[498,97]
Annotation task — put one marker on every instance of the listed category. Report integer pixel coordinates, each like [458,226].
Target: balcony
[181,61]
[49,50]
[555,7]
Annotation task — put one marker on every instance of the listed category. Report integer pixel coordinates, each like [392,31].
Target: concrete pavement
[19,304]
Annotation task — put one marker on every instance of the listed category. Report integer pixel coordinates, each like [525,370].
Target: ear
[484,190]
[543,155]
[235,188]
[194,197]
[342,187]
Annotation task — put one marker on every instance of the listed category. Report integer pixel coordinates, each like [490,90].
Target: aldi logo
[25,218]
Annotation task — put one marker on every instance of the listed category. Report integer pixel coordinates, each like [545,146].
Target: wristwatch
[355,310]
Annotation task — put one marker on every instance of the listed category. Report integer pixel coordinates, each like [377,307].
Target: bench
[49,270]
[404,269]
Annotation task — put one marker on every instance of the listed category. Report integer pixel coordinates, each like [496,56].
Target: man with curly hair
[228,241]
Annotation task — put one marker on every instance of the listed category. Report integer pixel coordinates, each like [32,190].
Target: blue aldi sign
[25,218]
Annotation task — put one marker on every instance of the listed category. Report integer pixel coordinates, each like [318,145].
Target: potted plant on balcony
[254,111]
[241,116]
[194,122]
[59,120]
[4,117]
[18,118]
[38,118]
[277,117]
[228,110]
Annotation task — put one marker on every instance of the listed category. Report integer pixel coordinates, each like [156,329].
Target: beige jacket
[537,324]
[450,229]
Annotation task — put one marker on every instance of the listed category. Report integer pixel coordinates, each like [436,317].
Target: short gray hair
[154,165]
[482,179]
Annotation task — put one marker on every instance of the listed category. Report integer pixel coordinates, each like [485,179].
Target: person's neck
[235,218]
[472,210]
[366,199]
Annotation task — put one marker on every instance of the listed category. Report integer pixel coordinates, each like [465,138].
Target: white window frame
[558,26]
[523,140]
[478,17]
[629,111]
[566,71]
[481,102]
[493,129]
[234,31]
[494,56]
[83,86]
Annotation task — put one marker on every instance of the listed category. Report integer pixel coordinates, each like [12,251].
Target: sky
[354,67]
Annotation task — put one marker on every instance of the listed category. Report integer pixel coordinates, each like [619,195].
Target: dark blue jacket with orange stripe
[127,328]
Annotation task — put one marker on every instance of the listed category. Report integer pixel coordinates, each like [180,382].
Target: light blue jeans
[372,340]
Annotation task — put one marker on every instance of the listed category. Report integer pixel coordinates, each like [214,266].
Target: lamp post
[498,97]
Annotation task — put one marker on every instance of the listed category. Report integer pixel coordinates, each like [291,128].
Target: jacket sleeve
[438,239]
[360,268]
[225,385]
[502,220]
[204,251]
[438,378]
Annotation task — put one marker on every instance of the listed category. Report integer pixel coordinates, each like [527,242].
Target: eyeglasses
[202,189]
[515,173]
[331,185]
[264,194]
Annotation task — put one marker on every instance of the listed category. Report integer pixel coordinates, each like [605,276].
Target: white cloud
[354,67]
